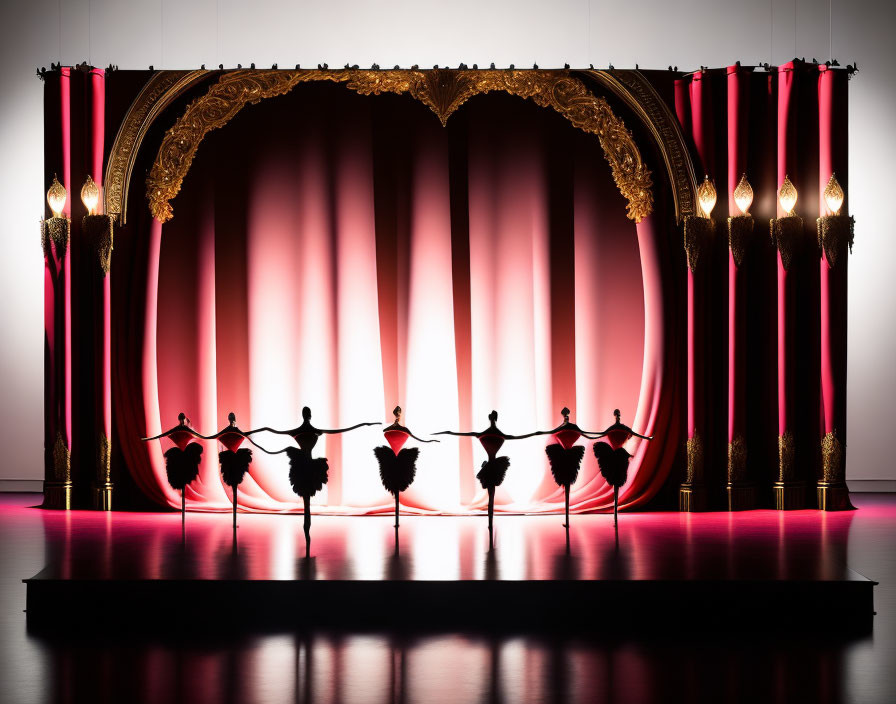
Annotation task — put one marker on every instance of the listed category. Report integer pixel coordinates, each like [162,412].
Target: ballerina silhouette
[182,460]
[234,460]
[494,468]
[565,456]
[306,474]
[398,466]
[613,458]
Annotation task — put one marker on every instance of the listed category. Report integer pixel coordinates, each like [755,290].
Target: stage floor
[447,664]
[761,569]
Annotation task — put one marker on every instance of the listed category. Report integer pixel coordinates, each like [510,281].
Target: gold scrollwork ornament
[836,234]
[694,460]
[832,459]
[737,460]
[698,233]
[786,457]
[54,236]
[442,90]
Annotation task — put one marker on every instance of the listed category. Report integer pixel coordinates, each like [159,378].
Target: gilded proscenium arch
[642,98]
[442,90]
[158,93]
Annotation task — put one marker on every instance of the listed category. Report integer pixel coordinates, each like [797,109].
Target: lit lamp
[55,234]
[740,227]
[97,233]
[698,229]
[835,231]
[786,231]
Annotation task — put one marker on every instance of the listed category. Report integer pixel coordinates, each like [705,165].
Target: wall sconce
[55,230]
[835,231]
[787,231]
[740,227]
[97,228]
[699,228]
[90,195]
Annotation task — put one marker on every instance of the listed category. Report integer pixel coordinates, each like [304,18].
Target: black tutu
[397,472]
[182,466]
[493,471]
[613,463]
[234,465]
[306,475]
[565,463]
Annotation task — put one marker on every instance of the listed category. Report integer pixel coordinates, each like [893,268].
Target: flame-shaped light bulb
[56,197]
[743,195]
[90,195]
[706,194]
[833,195]
[787,196]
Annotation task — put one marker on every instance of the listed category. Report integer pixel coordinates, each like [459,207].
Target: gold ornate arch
[442,90]
[158,93]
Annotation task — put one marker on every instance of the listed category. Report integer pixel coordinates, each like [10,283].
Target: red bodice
[568,437]
[491,443]
[396,439]
[617,438]
[231,440]
[181,438]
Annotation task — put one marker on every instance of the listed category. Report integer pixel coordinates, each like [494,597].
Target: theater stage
[758,569]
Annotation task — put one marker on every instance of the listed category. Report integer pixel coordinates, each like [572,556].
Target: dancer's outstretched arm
[643,437]
[271,430]
[275,452]
[420,439]
[172,430]
[452,432]
[336,431]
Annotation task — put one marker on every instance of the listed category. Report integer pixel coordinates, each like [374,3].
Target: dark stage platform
[759,569]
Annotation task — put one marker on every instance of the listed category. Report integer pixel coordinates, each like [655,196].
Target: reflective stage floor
[603,661]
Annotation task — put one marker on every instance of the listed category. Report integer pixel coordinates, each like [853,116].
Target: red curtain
[349,253]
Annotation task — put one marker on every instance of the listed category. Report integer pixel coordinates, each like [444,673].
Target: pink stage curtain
[350,253]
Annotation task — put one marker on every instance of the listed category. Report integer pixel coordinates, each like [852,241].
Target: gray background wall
[652,33]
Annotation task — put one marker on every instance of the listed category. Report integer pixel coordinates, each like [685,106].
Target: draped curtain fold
[350,253]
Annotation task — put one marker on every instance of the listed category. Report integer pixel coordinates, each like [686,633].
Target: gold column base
[102,497]
[57,495]
[833,496]
[789,496]
[692,497]
[741,496]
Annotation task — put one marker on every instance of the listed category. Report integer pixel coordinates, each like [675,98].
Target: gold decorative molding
[737,460]
[694,472]
[836,234]
[158,93]
[786,457]
[98,232]
[740,229]
[55,232]
[442,90]
[698,233]
[642,98]
[62,460]
[104,461]
[833,459]
[787,234]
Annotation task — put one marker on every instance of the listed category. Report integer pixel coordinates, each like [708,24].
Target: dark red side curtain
[349,253]
[765,125]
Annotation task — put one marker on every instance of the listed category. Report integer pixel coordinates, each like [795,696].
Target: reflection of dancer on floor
[565,456]
[613,458]
[182,460]
[398,466]
[494,468]
[306,474]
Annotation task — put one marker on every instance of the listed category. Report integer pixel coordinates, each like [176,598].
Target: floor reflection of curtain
[349,253]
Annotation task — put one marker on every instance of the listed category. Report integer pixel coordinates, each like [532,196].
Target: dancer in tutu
[494,468]
[307,474]
[565,456]
[234,460]
[398,466]
[182,460]
[613,458]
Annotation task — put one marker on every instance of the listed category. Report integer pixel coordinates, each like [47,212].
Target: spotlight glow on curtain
[349,253]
